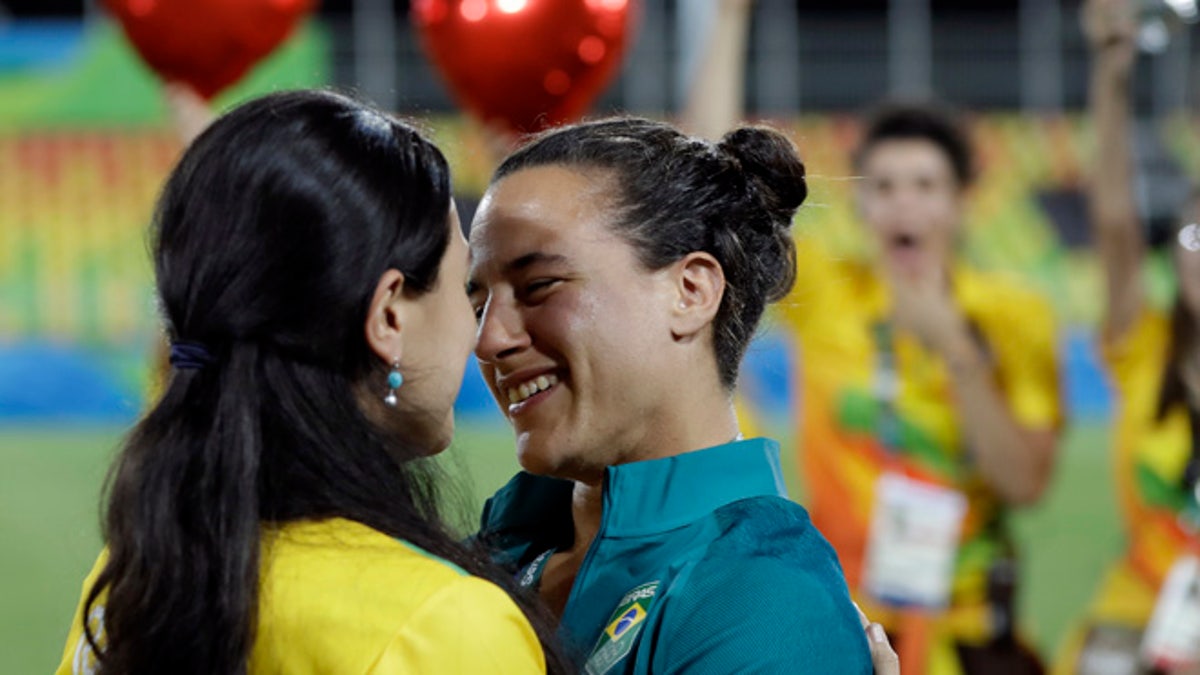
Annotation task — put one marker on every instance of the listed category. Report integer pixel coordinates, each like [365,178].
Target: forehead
[542,208]
[907,155]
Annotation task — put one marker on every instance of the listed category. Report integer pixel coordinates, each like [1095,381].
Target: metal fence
[1030,57]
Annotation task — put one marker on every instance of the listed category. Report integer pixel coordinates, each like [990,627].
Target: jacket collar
[640,498]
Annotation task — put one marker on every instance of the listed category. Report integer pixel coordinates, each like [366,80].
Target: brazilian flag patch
[622,630]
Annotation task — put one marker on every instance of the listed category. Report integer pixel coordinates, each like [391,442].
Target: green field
[48,517]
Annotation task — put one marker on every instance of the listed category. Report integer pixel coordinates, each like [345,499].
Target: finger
[884,658]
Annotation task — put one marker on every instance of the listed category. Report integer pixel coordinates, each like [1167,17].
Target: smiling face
[573,339]
[912,202]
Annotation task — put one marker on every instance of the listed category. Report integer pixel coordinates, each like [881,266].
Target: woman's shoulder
[316,565]
[341,550]
[768,595]
[770,527]
[341,594]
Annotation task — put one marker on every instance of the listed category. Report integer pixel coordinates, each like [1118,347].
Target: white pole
[694,24]
[375,51]
[777,70]
[910,49]
[1041,55]
[645,80]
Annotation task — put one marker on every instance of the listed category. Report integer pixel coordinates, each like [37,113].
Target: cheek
[627,341]
[562,322]
[459,324]
[943,215]
[452,344]
[874,210]
[950,210]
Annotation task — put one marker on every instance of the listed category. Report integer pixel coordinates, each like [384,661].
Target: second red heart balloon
[207,44]
[525,64]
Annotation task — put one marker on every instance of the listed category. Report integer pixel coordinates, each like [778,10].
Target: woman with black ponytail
[1145,610]
[268,515]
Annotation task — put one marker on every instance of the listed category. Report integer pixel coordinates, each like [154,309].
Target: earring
[395,380]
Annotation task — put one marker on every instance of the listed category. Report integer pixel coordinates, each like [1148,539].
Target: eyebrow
[531,259]
[523,262]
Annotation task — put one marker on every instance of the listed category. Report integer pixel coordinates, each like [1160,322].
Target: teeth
[527,389]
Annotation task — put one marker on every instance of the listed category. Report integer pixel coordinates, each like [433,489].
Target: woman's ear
[699,284]
[386,317]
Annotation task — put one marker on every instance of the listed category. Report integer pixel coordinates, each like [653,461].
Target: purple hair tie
[190,356]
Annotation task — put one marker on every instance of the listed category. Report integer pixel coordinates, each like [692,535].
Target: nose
[905,196]
[501,332]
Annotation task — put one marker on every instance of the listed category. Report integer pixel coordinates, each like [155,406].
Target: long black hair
[1184,339]
[676,194]
[269,239]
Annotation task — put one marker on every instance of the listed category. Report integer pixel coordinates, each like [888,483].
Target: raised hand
[1111,30]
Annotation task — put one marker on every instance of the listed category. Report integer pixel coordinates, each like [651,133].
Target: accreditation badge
[1110,649]
[913,542]
[1172,638]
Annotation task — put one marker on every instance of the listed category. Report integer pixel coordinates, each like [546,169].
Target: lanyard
[887,389]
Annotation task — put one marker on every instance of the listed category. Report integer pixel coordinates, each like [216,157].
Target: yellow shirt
[339,597]
[1149,461]
[1151,453]
[833,313]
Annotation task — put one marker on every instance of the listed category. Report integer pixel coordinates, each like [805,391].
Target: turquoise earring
[395,380]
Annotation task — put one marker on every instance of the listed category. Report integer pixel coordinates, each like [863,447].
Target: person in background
[929,392]
[270,514]
[1145,616]
[929,404]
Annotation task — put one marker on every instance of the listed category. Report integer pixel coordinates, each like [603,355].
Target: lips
[525,388]
[904,242]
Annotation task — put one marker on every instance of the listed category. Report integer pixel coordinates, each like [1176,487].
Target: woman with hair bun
[619,271]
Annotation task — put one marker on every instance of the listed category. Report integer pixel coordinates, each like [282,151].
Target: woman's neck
[692,425]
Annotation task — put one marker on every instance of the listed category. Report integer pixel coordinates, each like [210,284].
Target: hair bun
[771,163]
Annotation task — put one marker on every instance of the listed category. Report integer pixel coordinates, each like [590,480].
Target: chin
[539,460]
[444,438]
[533,458]
[439,440]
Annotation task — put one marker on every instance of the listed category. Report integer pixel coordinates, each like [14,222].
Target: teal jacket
[701,565]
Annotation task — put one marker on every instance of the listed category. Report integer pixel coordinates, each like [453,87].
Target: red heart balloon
[207,44]
[526,64]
